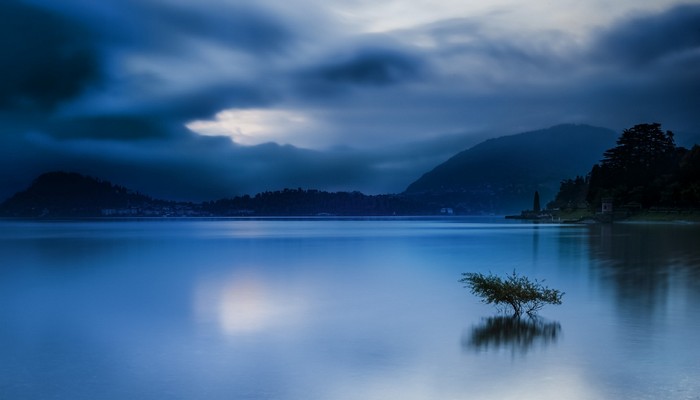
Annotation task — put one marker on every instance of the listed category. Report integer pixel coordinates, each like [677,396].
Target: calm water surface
[344,309]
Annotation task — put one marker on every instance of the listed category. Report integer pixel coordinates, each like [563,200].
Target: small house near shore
[606,205]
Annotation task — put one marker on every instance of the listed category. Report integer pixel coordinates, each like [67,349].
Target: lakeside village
[159,210]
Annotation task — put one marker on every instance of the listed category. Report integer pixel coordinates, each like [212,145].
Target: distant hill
[501,175]
[71,195]
[68,194]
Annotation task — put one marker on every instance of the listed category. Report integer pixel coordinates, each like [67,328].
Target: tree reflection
[641,262]
[514,333]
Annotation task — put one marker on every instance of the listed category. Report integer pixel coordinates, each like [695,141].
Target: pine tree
[635,169]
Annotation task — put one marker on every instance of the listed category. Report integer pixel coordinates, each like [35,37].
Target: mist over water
[344,309]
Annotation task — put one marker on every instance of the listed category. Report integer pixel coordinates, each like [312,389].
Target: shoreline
[648,216]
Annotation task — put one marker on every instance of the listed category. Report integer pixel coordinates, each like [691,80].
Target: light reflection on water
[343,309]
[245,304]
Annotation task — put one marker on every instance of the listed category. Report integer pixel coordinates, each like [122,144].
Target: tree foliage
[644,170]
[688,187]
[536,202]
[644,148]
[640,169]
[305,202]
[515,292]
[572,194]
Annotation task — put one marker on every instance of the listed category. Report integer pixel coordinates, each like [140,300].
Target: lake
[344,309]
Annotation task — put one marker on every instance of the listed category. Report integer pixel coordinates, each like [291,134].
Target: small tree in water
[516,292]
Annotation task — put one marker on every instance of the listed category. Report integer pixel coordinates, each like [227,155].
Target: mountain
[71,195]
[68,194]
[501,175]
[496,176]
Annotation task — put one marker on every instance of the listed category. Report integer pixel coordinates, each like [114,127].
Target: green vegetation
[515,292]
[641,169]
[572,195]
[645,172]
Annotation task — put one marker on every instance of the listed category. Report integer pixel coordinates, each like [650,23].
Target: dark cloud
[179,60]
[166,26]
[649,70]
[114,128]
[172,28]
[370,67]
[203,102]
[45,59]
[644,67]
[647,39]
[232,25]
[130,127]
[366,66]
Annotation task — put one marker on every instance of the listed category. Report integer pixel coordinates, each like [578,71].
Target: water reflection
[643,262]
[341,310]
[535,243]
[519,334]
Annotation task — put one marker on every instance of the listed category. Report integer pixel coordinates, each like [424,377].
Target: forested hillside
[500,175]
[645,169]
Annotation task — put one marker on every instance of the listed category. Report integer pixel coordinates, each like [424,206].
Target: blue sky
[213,98]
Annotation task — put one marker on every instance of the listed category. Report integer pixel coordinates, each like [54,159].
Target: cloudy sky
[211,98]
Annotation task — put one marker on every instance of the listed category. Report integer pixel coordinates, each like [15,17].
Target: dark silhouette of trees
[572,194]
[640,149]
[644,170]
[688,185]
[536,202]
[638,169]
[68,194]
[302,202]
